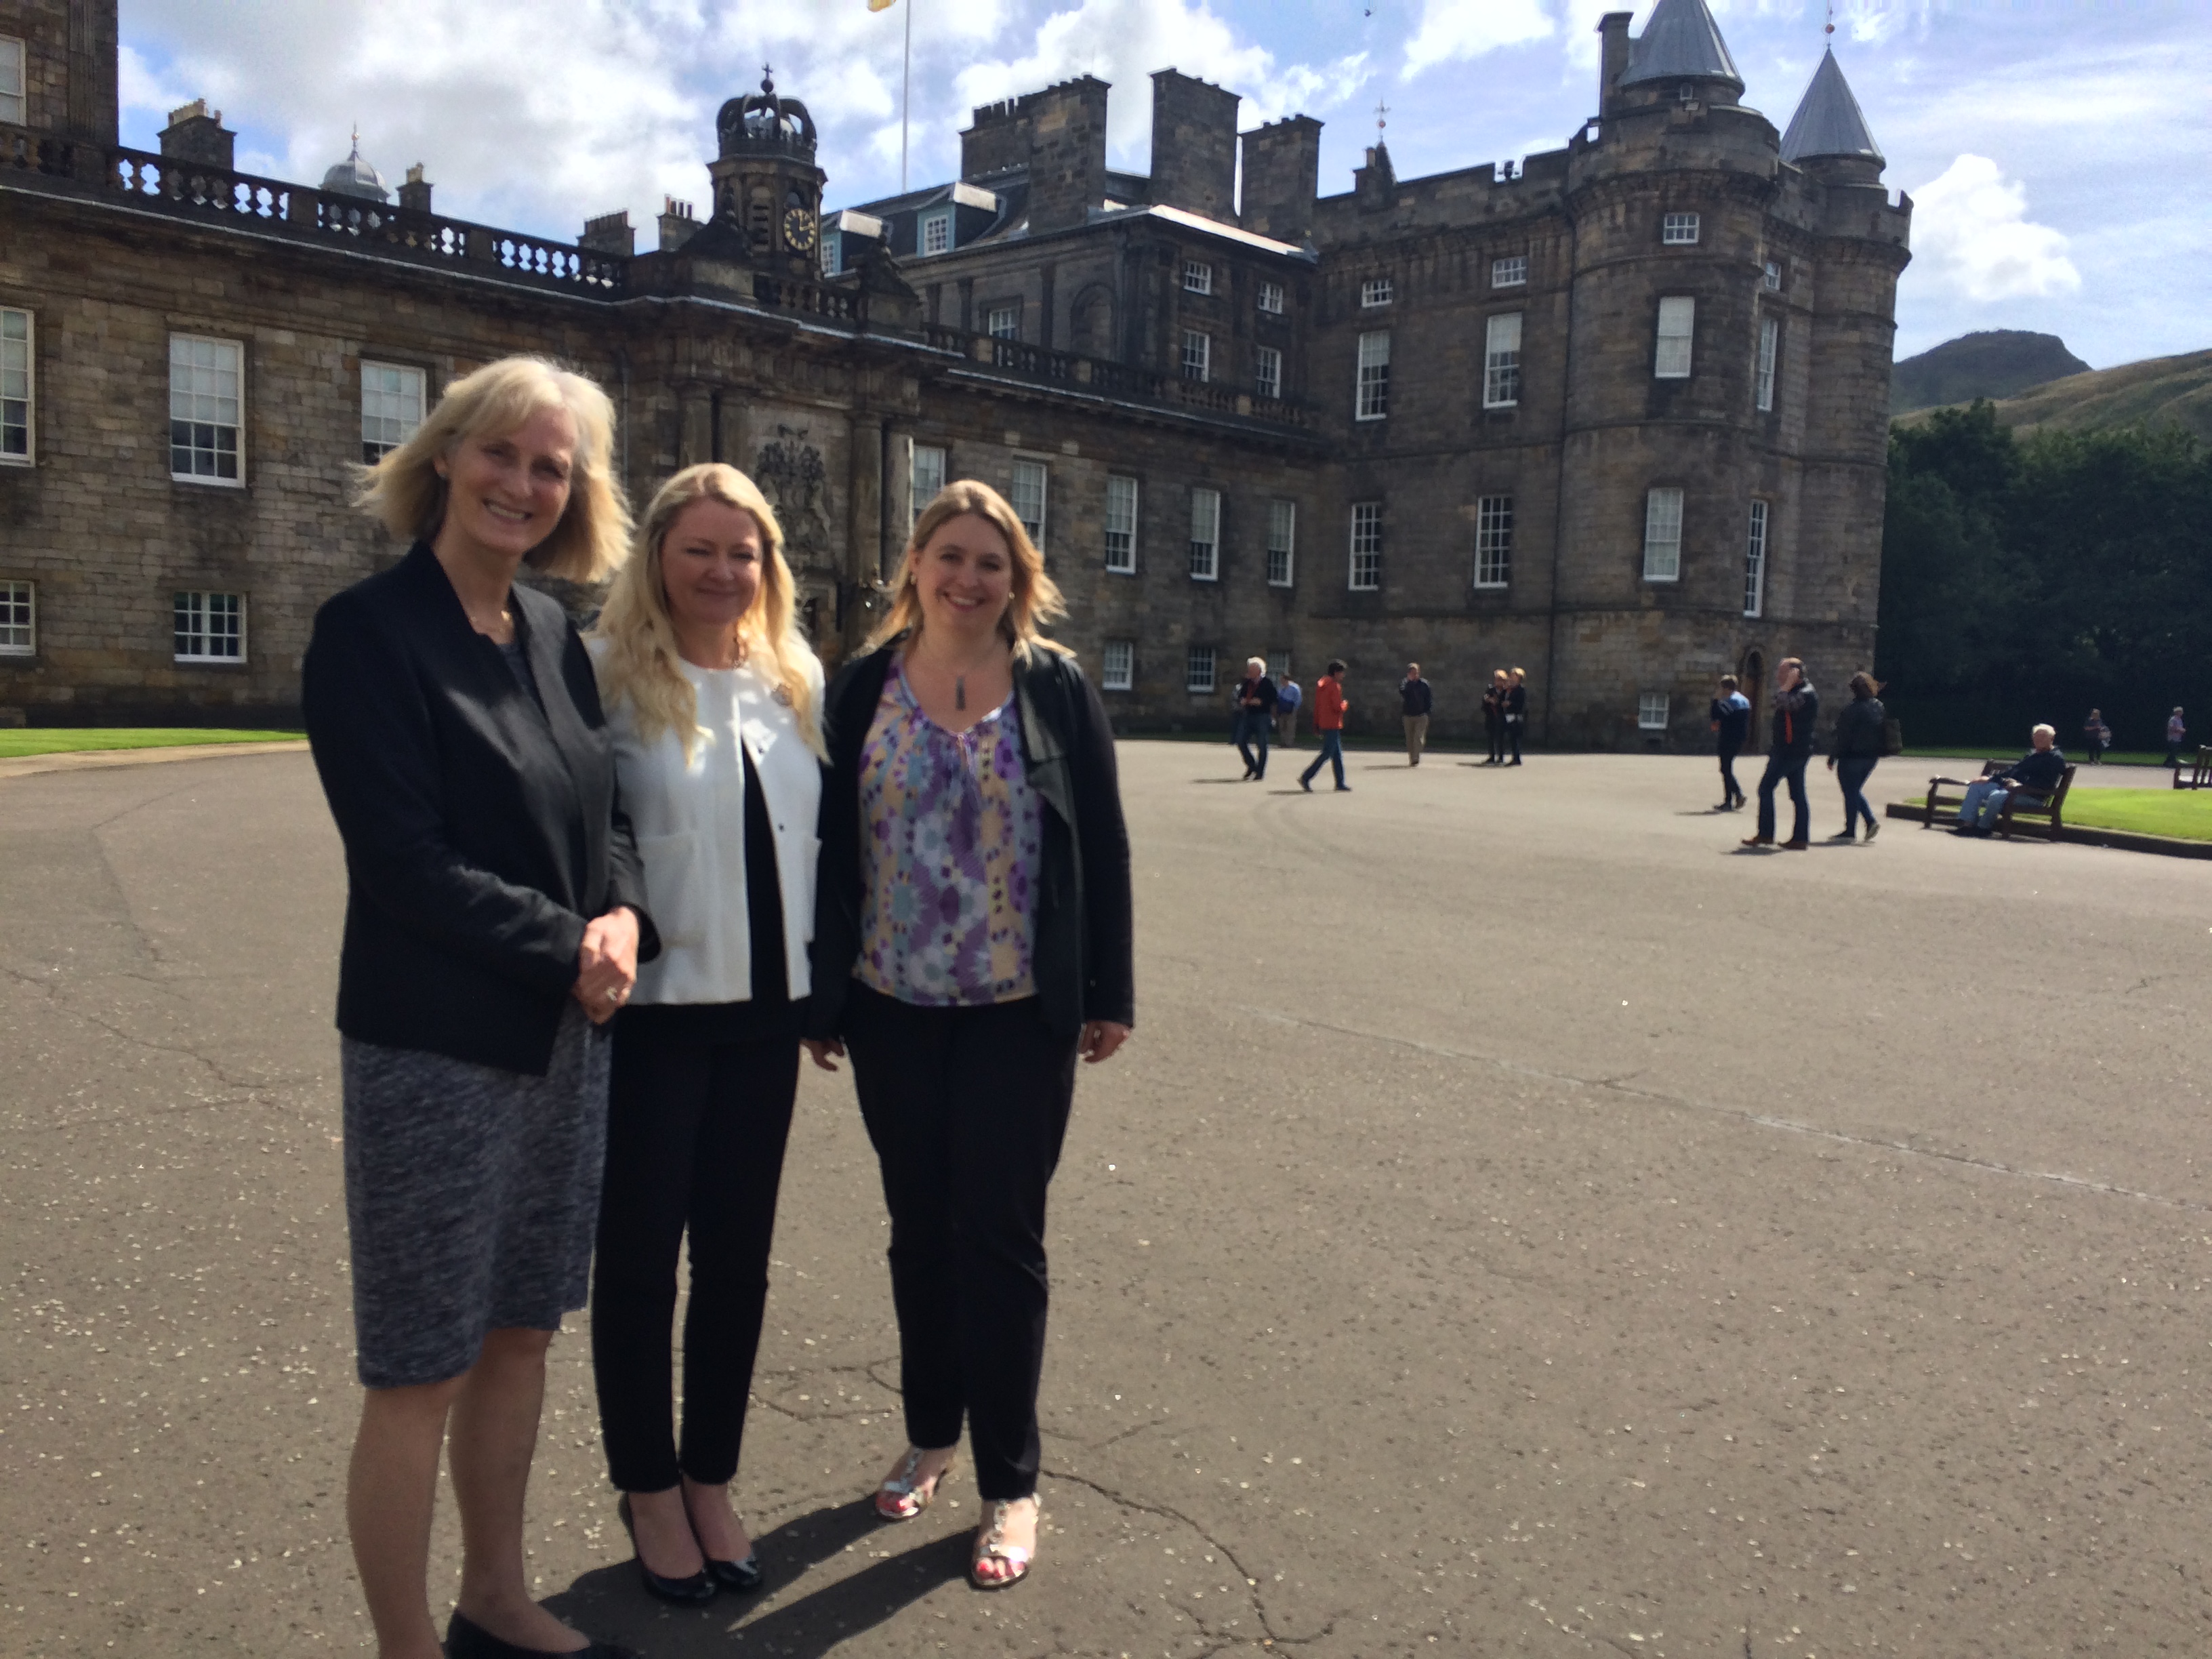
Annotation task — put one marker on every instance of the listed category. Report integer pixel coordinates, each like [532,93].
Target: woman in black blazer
[971,939]
[494,920]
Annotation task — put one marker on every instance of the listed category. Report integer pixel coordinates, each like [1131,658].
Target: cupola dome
[355,177]
[762,124]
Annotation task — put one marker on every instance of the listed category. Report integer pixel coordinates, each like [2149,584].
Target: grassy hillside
[2157,392]
[1997,362]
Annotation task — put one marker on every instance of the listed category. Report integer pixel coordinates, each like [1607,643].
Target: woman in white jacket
[714,700]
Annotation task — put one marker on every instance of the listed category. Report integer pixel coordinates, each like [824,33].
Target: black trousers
[1513,734]
[1782,767]
[695,1141]
[1730,789]
[1253,726]
[1496,734]
[967,1109]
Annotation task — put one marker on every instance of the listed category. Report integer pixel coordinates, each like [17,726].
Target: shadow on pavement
[612,1606]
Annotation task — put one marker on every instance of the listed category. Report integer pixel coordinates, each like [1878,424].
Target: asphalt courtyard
[1523,1225]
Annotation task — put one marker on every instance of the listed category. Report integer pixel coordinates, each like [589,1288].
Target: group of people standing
[1859,743]
[600,893]
[1264,703]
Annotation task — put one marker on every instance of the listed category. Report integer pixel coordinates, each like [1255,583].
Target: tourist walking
[1855,752]
[2175,731]
[1287,698]
[1516,711]
[1493,715]
[494,921]
[972,939]
[1329,706]
[1416,698]
[1789,748]
[1731,721]
[1255,717]
[715,698]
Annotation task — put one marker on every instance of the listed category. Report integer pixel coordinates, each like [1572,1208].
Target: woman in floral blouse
[972,939]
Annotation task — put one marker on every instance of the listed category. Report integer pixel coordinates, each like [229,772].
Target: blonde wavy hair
[1036,600]
[404,493]
[642,662]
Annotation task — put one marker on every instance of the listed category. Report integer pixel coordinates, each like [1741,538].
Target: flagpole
[906,90]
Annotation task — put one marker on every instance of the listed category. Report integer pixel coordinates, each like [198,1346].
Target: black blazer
[481,832]
[1084,964]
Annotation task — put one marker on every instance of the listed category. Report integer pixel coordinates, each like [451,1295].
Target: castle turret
[1680,55]
[1829,127]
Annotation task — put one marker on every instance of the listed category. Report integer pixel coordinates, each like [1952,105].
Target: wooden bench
[2200,774]
[2052,809]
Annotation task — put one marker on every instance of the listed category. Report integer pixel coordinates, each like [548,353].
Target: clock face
[799,229]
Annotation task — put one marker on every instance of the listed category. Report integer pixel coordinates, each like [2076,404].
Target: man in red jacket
[1329,705]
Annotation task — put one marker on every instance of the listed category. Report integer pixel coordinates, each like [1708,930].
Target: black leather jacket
[1084,962]
[1795,712]
[1858,729]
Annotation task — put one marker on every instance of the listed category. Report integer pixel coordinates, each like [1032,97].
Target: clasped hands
[606,963]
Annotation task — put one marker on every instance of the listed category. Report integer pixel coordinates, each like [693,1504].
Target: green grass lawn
[2183,814]
[2112,756]
[2186,814]
[62,740]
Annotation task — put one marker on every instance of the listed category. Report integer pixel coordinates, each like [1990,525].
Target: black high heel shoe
[745,1575]
[691,1592]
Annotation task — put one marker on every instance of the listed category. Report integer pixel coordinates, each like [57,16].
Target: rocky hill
[2158,391]
[1996,362]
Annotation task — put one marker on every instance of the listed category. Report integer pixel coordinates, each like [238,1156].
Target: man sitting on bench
[2032,778]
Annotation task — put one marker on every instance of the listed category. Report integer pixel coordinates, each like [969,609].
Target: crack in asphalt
[1271,1637]
[1763,1120]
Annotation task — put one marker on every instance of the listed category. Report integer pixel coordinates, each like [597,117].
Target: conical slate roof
[1681,40]
[1828,121]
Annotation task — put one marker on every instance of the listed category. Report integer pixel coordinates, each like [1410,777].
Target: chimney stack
[195,133]
[1613,58]
[1282,177]
[1194,146]
[415,193]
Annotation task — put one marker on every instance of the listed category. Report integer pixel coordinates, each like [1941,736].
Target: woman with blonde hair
[714,696]
[972,939]
[494,921]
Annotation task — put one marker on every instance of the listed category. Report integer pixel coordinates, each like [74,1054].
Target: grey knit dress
[471,1195]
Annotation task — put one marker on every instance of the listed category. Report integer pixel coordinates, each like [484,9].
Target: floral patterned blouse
[954,835]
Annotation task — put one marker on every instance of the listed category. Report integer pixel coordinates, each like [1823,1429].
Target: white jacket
[689,818]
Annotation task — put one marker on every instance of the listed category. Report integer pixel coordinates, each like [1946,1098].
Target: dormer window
[936,235]
[1679,230]
[11,80]
[1197,276]
[1685,94]
[1377,291]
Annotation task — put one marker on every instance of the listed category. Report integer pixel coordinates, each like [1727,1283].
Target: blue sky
[2055,149]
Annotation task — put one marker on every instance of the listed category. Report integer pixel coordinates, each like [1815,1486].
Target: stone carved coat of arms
[790,473]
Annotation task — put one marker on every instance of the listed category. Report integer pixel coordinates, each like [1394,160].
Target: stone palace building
[1616,415]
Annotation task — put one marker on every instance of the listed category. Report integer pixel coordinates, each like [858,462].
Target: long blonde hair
[403,492]
[642,662]
[1035,600]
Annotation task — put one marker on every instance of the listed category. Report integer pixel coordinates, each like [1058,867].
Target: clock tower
[767,188]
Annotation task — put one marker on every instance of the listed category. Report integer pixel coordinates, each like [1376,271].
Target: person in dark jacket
[2096,737]
[494,921]
[1731,718]
[972,940]
[1255,717]
[1493,717]
[1416,698]
[2033,778]
[1516,711]
[1855,752]
[1789,749]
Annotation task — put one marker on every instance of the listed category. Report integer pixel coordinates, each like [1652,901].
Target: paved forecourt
[1521,1224]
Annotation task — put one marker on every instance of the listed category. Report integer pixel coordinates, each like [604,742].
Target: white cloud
[1970,227]
[1454,30]
[140,86]
[1123,41]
